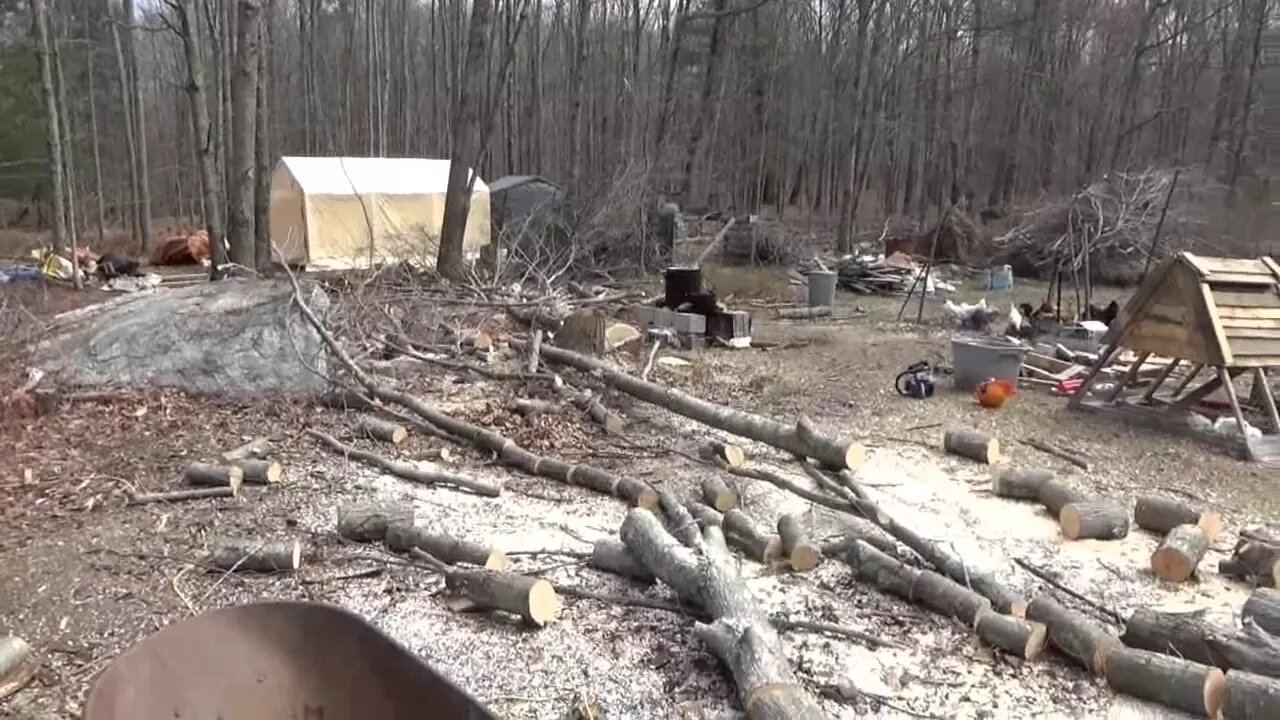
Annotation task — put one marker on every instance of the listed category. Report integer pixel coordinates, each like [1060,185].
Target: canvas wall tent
[353,212]
[1217,319]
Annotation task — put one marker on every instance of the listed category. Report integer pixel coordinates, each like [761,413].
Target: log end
[647,498]
[399,434]
[295,557]
[543,603]
[725,502]
[1069,520]
[772,550]
[497,560]
[1018,608]
[235,478]
[1037,639]
[734,455]
[1211,524]
[804,557]
[993,452]
[1215,691]
[275,472]
[855,455]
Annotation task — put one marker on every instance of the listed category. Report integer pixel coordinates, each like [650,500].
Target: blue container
[1000,279]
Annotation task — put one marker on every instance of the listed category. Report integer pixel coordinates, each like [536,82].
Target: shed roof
[371,175]
[506,182]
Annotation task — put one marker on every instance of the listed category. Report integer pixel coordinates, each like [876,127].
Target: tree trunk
[262,148]
[53,134]
[1160,515]
[244,106]
[91,73]
[1173,682]
[138,114]
[465,153]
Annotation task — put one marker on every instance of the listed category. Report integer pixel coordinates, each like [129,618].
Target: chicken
[1104,314]
[976,317]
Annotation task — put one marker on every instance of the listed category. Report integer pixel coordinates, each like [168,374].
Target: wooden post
[1129,377]
[1230,387]
[1268,399]
[1164,375]
[1184,382]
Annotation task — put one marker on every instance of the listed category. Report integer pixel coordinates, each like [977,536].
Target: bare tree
[244,105]
[137,116]
[262,147]
[53,134]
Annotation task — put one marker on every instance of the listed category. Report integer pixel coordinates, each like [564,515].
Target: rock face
[234,338]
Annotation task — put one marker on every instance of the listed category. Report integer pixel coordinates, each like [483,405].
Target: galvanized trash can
[975,359]
[822,288]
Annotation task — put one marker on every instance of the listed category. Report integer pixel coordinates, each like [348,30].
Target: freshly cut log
[180,495]
[527,406]
[800,439]
[1187,635]
[1180,553]
[256,448]
[348,400]
[1020,483]
[612,422]
[1173,682]
[368,522]
[612,556]
[1254,561]
[740,633]
[403,537]
[1022,638]
[1094,520]
[1263,608]
[801,554]
[380,429]
[803,313]
[743,533]
[924,586]
[972,444]
[1080,638]
[730,453]
[205,475]
[253,555]
[442,453]
[416,472]
[1251,697]
[509,453]
[1161,514]
[530,598]
[17,667]
[1056,494]
[259,472]
[717,494]
[949,597]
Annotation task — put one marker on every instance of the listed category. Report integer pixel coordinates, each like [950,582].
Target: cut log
[1094,520]
[1020,483]
[1080,638]
[1187,635]
[803,313]
[252,555]
[743,533]
[612,556]
[1160,515]
[1022,638]
[731,454]
[1056,494]
[204,475]
[1254,561]
[740,633]
[717,494]
[527,407]
[379,429]
[706,516]
[442,453]
[588,402]
[347,400]
[181,495]
[368,522]
[801,554]
[532,599]
[934,591]
[256,448]
[1263,608]
[1173,682]
[1251,697]
[403,537]
[1179,553]
[972,444]
[416,472]
[259,472]
[800,439]
[17,665]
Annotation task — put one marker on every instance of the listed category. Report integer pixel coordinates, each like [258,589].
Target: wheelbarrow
[275,661]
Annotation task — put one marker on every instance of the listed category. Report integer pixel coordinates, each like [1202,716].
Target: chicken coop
[1195,329]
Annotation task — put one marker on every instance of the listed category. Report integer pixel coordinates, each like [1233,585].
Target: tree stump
[1180,553]
[1173,682]
[1160,515]
[972,444]
[1094,520]
[1020,483]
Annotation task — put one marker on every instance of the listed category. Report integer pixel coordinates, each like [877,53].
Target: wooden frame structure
[1219,315]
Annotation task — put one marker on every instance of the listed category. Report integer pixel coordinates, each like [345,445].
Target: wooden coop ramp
[1206,321]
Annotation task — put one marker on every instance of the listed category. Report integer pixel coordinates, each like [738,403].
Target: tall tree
[53,134]
[262,147]
[139,119]
[244,97]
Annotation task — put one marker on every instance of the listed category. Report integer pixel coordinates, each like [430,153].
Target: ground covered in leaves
[87,575]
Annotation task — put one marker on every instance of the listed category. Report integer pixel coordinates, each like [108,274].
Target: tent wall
[288,216]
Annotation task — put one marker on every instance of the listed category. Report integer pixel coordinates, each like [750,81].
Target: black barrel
[678,283]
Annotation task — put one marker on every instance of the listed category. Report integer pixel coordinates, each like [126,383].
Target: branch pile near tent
[409,471]
[801,439]
[508,452]
[700,569]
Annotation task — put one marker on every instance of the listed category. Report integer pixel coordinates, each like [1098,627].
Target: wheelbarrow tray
[275,661]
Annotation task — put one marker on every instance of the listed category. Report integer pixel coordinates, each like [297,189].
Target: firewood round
[972,444]
[1170,681]
[1020,483]
[1179,553]
[1056,494]
[1160,514]
[1094,520]
[1023,638]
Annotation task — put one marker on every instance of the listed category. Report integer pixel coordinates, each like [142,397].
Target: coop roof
[371,175]
[1211,310]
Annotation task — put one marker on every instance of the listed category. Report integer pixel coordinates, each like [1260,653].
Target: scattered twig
[648,364]
[360,575]
[1057,452]
[1047,577]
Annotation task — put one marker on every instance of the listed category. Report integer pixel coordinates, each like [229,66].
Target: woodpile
[873,277]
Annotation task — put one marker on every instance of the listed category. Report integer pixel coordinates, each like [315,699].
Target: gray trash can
[975,359]
[822,288]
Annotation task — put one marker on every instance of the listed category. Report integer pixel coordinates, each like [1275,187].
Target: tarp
[354,212]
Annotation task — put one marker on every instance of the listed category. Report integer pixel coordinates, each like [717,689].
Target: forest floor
[87,576]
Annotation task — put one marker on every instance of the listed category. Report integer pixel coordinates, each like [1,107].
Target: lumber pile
[873,277]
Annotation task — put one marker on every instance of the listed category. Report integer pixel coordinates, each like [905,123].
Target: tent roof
[371,176]
[1210,310]
[506,182]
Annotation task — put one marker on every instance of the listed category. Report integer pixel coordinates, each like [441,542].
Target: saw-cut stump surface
[1160,515]
[1094,520]
[731,454]
[368,522]
[972,444]
[1173,682]
[1020,483]
[1180,553]
[404,537]
[252,555]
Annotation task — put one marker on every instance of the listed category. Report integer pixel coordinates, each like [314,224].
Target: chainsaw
[916,381]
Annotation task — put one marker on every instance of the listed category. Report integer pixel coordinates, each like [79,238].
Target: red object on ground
[993,393]
[1069,387]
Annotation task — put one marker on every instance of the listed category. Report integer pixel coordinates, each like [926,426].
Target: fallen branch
[929,588]
[408,471]
[648,363]
[181,495]
[347,400]
[1057,452]
[249,555]
[801,439]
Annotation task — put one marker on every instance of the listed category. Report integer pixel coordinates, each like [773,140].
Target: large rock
[236,338]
